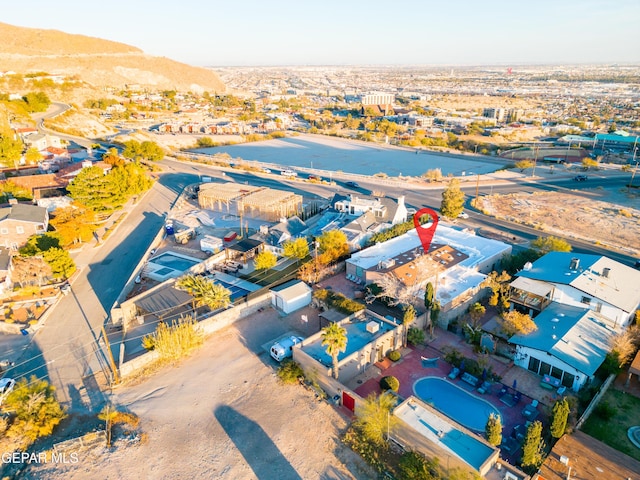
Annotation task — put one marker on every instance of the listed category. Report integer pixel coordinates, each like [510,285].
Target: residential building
[384,209]
[580,280]
[579,456]
[569,345]
[5,270]
[457,263]
[497,114]
[18,222]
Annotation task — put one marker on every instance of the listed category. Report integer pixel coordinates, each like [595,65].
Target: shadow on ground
[258,450]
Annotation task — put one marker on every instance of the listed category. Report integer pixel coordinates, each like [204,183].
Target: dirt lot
[606,217]
[223,414]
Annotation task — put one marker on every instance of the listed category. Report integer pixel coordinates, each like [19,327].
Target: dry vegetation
[580,216]
[98,62]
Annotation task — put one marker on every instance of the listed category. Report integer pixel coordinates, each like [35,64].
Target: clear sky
[352,32]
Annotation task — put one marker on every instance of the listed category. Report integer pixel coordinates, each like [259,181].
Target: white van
[284,348]
[288,173]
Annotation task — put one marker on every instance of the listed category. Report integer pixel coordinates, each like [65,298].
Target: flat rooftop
[357,338]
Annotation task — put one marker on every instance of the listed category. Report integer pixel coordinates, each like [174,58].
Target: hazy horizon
[356,33]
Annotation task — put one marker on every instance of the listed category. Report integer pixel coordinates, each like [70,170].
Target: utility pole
[477,190]
[112,362]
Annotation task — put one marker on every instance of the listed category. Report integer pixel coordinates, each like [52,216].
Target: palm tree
[204,292]
[334,337]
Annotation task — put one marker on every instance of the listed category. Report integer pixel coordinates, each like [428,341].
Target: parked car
[352,185]
[6,386]
[580,178]
[288,173]
[266,170]
[463,215]
[316,178]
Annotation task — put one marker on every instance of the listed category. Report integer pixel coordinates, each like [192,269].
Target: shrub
[290,372]
[149,342]
[605,411]
[394,355]
[390,383]
[415,336]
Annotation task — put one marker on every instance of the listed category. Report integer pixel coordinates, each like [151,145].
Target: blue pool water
[174,262]
[454,402]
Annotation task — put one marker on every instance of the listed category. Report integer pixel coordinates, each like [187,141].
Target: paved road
[66,351]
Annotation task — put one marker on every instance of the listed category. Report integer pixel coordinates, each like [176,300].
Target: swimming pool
[174,261]
[454,402]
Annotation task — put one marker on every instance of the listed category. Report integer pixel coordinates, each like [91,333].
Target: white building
[377,98]
[462,261]
[291,296]
[587,281]
[568,346]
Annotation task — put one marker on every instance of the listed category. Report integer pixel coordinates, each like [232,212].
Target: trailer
[211,244]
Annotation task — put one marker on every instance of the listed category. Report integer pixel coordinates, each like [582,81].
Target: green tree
[204,292]
[142,151]
[265,260]
[476,312]
[493,429]
[34,409]
[334,338]
[524,164]
[551,244]
[374,419]
[333,246]
[108,415]
[298,249]
[516,323]
[112,157]
[351,123]
[408,317]
[533,447]
[499,285]
[61,263]
[414,465]
[559,417]
[10,150]
[32,156]
[452,200]
[74,224]
[37,244]
[204,142]
[130,179]
[91,187]
[36,102]
[588,163]
[428,296]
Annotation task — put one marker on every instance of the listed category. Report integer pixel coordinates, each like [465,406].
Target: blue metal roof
[554,267]
[577,336]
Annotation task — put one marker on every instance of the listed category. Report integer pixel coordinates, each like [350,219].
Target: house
[457,263]
[568,346]
[43,185]
[18,222]
[384,209]
[581,280]
[274,237]
[5,270]
[580,456]
[291,296]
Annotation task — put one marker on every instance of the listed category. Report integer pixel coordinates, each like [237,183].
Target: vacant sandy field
[223,414]
[606,217]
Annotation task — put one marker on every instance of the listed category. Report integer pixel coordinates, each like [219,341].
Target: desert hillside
[98,62]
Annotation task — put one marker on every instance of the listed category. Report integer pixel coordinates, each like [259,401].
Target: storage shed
[291,296]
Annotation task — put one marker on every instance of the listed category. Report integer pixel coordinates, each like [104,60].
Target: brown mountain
[96,61]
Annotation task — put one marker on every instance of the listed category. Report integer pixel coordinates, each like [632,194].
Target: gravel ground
[223,414]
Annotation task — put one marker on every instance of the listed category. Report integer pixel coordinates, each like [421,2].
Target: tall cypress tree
[560,416]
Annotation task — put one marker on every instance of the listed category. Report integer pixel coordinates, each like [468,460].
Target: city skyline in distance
[284,32]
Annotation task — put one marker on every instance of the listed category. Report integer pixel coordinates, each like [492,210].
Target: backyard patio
[517,395]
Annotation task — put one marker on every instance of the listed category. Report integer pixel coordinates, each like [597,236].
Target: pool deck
[409,369]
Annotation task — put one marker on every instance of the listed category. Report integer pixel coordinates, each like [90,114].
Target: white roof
[292,292]
[477,248]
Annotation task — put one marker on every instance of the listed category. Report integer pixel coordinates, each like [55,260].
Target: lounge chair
[561,390]
[484,388]
[454,373]
[429,362]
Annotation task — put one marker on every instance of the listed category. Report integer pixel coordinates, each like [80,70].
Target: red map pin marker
[426,232]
